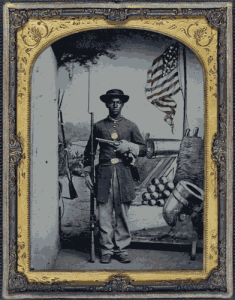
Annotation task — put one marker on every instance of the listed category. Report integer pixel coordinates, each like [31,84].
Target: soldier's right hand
[88,182]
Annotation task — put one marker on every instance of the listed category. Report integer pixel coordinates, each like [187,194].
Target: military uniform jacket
[126,130]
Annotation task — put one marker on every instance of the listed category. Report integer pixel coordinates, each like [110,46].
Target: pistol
[113,143]
[128,157]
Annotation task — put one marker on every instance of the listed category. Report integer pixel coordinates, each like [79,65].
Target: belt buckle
[114,161]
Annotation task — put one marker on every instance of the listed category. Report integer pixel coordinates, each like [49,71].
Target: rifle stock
[72,191]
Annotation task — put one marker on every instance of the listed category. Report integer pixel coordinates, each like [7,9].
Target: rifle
[92,194]
[92,174]
[72,191]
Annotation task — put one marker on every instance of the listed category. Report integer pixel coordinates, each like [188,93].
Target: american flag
[163,83]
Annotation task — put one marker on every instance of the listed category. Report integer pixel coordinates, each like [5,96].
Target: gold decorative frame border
[198,35]
[32,39]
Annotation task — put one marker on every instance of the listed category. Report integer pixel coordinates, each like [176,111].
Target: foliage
[85,47]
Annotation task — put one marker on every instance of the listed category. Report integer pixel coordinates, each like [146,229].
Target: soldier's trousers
[114,231]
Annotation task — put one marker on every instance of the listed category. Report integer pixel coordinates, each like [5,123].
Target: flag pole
[185,90]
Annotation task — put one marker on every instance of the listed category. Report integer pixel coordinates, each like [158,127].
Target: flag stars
[169,63]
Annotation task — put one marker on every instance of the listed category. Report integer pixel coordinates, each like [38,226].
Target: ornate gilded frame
[205,29]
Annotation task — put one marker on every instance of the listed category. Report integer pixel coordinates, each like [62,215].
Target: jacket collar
[113,120]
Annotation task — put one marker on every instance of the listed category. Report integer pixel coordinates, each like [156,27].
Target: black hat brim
[107,98]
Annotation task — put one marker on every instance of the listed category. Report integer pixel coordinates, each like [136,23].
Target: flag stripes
[164,90]
[167,100]
[159,68]
[163,82]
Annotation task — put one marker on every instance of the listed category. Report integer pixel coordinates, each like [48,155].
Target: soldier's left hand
[123,147]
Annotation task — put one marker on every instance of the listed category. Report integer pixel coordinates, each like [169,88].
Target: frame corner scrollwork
[216,17]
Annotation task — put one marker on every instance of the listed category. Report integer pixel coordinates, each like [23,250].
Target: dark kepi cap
[114,94]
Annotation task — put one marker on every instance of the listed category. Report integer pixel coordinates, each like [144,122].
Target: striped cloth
[163,83]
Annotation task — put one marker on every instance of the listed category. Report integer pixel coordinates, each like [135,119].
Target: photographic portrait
[117,145]
[89,64]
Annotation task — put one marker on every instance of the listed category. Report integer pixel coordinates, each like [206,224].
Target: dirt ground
[76,213]
[75,238]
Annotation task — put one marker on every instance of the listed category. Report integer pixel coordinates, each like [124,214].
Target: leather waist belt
[112,161]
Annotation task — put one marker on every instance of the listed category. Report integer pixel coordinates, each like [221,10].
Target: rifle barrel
[61,100]
[92,195]
[62,129]
[72,191]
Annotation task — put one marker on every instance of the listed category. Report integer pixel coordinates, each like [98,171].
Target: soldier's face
[114,106]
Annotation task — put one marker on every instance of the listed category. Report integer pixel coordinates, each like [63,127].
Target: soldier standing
[114,182]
